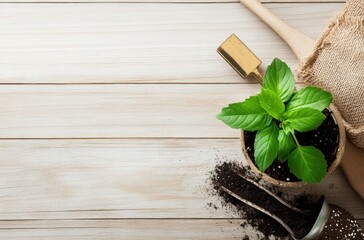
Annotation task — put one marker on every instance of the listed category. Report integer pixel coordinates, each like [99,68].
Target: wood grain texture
[130,178]
[188,229]
[140,43]
[114,111]
[139,229]
[166,1]
[118,111]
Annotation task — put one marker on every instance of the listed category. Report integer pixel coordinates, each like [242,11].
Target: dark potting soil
[226,174]
[325,138]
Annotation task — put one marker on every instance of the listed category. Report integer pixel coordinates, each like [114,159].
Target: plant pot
[339,153]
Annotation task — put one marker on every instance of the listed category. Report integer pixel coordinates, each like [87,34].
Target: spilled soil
[226,174]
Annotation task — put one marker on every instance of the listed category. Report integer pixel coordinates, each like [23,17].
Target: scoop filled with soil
[324,221]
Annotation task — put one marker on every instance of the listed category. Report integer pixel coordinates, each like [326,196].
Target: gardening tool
[246,63]
[302,45]
[330,222]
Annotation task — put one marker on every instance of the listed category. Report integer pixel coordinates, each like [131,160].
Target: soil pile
[227,174]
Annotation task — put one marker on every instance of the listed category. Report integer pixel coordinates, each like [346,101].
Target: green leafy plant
[277,113]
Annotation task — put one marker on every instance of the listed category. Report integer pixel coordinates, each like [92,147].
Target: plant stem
[295,139]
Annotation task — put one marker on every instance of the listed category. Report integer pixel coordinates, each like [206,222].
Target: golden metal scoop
[241,58]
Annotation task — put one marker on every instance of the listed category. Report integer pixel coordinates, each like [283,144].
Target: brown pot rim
[339,154]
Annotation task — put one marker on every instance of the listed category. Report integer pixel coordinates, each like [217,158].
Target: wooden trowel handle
[301,44]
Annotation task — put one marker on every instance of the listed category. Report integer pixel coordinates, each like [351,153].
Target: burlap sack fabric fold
[337,65]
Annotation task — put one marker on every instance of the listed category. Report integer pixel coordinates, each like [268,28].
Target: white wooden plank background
[124,178]
[132,229]
[167,1]
[172,229]
[188,229]
[107,115]
[126,110]
[139,43]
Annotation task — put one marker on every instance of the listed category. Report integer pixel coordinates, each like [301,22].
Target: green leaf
[286,145]
[308,164]
[266,146]
[305,119]
[287,127]
[247,115]
[271,102]
[312,97]
[279,79]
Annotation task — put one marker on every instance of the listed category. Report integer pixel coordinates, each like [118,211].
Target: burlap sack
[337,65]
